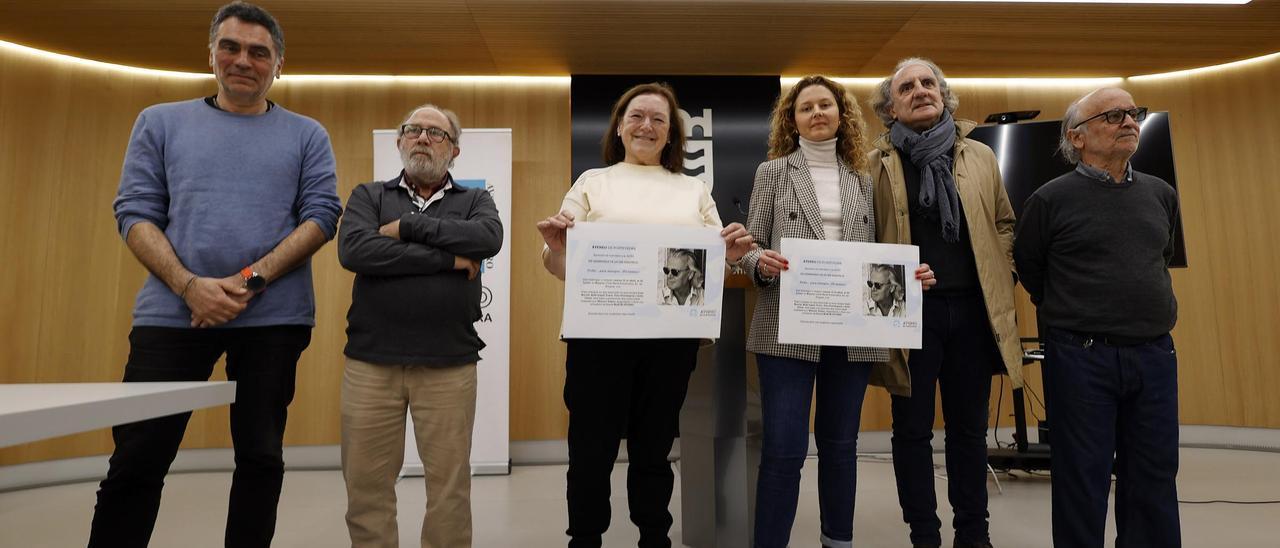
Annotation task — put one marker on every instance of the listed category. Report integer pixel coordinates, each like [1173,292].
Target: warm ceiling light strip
[1036,82]
[343,78]
[564,80]
[375,78]
[1202,70]
[58,57]
[1017,82]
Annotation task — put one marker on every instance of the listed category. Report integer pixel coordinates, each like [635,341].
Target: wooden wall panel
[68,283]
[1226,138]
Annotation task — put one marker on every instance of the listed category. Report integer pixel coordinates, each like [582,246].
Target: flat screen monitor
[1028,158]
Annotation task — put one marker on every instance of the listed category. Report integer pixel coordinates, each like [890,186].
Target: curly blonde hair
[851,147]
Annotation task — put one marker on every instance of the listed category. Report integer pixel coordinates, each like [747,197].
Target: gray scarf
[930,152]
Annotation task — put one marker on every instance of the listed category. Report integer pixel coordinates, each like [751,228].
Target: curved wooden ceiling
[560,37]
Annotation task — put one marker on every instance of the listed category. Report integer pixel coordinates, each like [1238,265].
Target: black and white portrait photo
[885,295]
[681,282]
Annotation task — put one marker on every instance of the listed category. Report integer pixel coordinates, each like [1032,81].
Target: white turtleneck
[825,172]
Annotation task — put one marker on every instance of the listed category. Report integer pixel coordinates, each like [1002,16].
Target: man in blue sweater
[224,200]
[1093,248]
[415,243]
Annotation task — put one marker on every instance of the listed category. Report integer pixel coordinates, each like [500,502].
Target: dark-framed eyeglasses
[413,131]
[876,285]
[1116,116]
[673,271]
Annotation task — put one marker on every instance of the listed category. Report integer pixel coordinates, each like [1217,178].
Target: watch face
[255,283]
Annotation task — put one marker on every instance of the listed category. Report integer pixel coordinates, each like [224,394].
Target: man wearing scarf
[938,190]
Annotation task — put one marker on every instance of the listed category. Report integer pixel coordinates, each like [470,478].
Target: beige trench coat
[990,217]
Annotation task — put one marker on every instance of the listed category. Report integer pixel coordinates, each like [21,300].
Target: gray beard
[424,169]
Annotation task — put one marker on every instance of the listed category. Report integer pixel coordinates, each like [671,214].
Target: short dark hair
[249,13]
[673,156]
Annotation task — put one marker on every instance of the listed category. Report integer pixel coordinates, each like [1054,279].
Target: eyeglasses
[1116,116]
[673,271]
[413,131]
[876,285]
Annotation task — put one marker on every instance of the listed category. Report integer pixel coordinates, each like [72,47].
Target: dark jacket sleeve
[361,249]
[1030,247]
[477,236]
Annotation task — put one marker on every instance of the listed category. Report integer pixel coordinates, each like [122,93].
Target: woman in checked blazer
[814,186]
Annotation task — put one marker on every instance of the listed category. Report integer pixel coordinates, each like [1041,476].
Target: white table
[30,412]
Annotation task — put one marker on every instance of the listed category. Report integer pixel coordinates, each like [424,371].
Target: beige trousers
[442,402]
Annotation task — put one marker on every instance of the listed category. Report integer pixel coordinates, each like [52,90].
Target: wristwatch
[252,280]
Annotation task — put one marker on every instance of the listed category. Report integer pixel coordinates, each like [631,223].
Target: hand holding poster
[850,294]
[626,281]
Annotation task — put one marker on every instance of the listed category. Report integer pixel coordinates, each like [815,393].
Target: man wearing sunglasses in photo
[1092,248]
[682,281]
[885,295]
[415,243]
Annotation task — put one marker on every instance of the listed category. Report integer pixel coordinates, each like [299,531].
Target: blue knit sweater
[226,189]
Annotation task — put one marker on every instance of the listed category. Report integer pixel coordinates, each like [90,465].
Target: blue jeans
[786,392]
[1108,400]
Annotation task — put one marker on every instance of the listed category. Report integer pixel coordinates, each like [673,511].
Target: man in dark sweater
[415,243]
[1093,248]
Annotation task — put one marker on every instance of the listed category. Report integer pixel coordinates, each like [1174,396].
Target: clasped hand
[216,301]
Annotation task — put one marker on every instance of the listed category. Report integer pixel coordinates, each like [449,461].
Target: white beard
[428,169]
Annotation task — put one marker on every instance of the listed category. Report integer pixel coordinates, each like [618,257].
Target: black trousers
[615,389]
[262,361]
[957,355]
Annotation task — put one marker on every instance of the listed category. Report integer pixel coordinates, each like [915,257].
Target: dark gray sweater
[408,305]
[1094,254]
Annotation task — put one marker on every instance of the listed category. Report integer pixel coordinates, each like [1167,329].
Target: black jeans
[624,388]
[957,355]
[1110,400]
[262,361]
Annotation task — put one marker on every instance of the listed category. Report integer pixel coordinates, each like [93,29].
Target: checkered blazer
[785,205]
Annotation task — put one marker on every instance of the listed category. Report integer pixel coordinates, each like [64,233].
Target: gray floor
[527,508]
